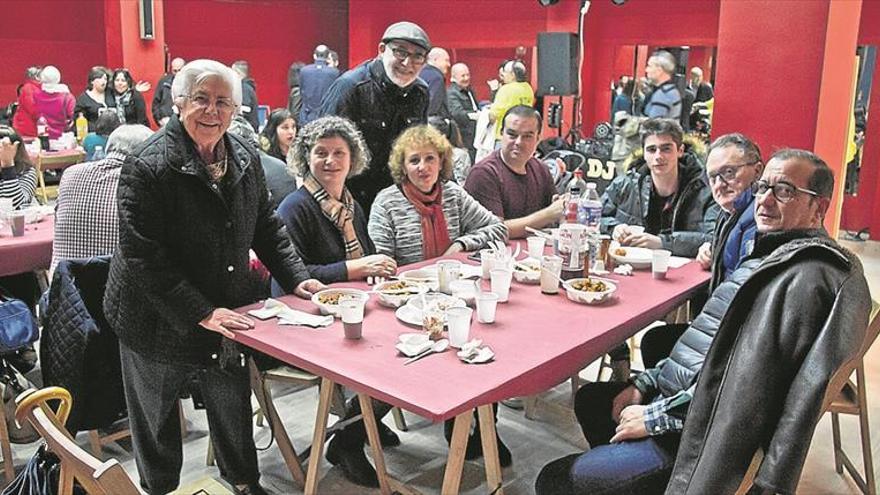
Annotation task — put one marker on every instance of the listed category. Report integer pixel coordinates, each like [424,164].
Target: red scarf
[435,236]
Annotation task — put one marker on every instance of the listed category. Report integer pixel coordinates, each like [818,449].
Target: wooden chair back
[841,378]
[96,477]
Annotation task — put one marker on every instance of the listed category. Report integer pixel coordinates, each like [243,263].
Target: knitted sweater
[396,229]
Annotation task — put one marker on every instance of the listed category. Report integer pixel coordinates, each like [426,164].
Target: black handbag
[17,326]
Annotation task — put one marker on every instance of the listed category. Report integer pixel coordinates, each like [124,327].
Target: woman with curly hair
[278,134]
[425,214]
[329,228]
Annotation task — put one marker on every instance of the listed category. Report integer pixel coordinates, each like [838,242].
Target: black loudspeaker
[145,9]
[557,64]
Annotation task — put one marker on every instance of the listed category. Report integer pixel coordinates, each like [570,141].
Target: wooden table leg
[490,448]
[264,399]
[375,444]
[318,436]
[457,447]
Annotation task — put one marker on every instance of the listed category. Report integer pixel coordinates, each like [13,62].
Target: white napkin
[678,261]
[624,269]
[287,316]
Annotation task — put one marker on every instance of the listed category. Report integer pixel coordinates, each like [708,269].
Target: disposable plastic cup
[16,220]
[487,303]
[536,247]
[447,271]
[459,322]
[551,269]
[660,263]
[487,261]
[352,311]
[501,283]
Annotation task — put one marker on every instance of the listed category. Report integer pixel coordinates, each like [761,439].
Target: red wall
[68,35]
[269,34]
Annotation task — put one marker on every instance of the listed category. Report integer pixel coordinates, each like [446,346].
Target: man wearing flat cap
[383,97]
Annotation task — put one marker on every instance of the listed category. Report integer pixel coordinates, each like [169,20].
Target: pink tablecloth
[74,156]
[31,252]
[539,340]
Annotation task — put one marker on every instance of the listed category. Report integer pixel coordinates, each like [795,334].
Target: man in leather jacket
[751,370]
[383,97]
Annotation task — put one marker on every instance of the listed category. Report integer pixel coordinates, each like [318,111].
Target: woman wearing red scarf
[426,214]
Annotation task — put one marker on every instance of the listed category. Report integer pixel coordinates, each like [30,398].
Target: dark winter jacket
[695,212]
[184,244]
[381,110]
[799,318]
[314,80]
[78,349]
[162,101]
[249,103]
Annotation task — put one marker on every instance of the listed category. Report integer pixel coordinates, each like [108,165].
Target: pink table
[31,252]
[539,341]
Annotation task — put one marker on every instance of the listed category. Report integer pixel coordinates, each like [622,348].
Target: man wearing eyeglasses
[383,97]
[749,373]
[733,165]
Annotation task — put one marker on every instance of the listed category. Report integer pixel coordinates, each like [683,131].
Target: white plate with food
[328,299]
[589,290]
[412,313]
[427,276]
[395,293]
[527,271]
[637,257]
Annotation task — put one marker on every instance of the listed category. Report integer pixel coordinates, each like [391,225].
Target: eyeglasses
[782,191]
[414,57]
[727,173]
[203,102]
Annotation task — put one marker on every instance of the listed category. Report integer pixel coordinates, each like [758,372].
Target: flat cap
[407,31]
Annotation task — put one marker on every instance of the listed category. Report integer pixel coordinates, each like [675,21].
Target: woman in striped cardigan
[18,177]
[425,214]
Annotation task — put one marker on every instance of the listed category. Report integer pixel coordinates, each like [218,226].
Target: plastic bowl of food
[589,290]
[527,271]
[426,276]
[395,293]
[327,300]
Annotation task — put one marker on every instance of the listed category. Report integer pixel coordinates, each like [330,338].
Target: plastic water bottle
[99,153]
[590,208]
[575,189]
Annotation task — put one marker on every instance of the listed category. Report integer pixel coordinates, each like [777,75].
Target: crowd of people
[351,180]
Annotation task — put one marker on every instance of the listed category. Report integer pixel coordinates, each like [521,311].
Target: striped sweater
[396,229]
[18,187]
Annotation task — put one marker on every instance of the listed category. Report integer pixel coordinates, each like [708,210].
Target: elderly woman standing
[425,214]
[192,203]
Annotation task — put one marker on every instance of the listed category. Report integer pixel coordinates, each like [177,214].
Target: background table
[33,251]
[539,341]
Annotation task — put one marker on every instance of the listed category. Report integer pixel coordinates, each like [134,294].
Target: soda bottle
[591,207]
[82,127]
[43,132]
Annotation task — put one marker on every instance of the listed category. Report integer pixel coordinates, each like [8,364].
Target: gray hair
[664,60]
[321,52]
[325,127]
[822,180]
[517,68]
[197,72]
[125,138]
[749,149]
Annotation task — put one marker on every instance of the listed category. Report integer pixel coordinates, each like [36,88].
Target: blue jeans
[639,467]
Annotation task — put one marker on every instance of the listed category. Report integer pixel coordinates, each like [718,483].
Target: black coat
[162,101]
[184,244]
[460,104]
[381,110]
[799,318]
[249,104]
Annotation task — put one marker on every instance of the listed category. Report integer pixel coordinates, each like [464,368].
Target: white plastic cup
[352,311]
[551,269]
[459,321]
[17,221]
[487,261]
[447,271]
[536,247]
[487,303]
[660,263]
[501,283]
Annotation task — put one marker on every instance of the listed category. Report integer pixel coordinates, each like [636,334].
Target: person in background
[434,74]
[192,203]
[249,102]
[515,91]
[278,180]
[25,118]
[106,124]
[463,105]
[95,100]
[333,59]
[18,176]
[315,80]
[86,222]
[461,160]
[278,134]
[664,100]
[294,95]
[162,107]
[383,96]
[623,102]
[54,102]
[130,105]
[702,89]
